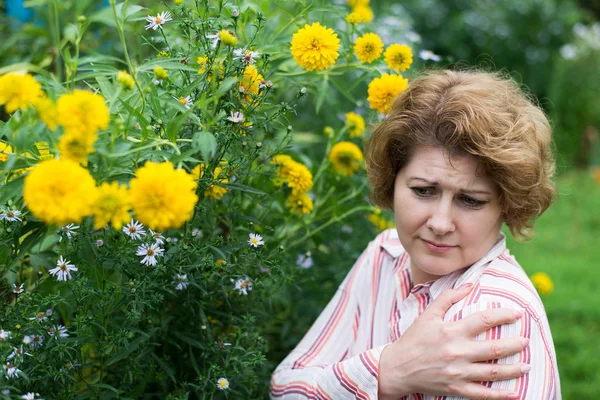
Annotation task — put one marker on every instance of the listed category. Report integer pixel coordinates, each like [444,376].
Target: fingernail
[525,341]
[513,396]
[525,369]
[517,314]
[465,286]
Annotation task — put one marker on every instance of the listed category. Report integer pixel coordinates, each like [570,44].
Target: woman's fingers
[482,321]
[482,372]
[495,349]
[475,391]
[440,306]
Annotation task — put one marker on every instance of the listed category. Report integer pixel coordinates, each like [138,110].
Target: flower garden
[182,188]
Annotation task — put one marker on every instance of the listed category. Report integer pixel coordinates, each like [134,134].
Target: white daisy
[34,340]
[247,57]
[216,38]
[158,21]
[58,331]
[69,230]
[186,101]
[236,117]
[304,260]
[134,230]
[17,353]
[4,335]
[41,317]
[150,252]
[99,242]
[243,285]
[428,55]
[11,371]
[28,396]
[223,383]
[181,281]
[63,269]
[197,233]
[158,237]
[18,289]
[255,240]
[10,215]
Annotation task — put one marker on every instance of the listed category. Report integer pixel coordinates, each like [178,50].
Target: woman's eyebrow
[433,183]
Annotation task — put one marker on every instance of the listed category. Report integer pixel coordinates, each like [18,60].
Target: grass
[567,247]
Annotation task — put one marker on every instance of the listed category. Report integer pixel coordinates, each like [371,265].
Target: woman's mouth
[437,247]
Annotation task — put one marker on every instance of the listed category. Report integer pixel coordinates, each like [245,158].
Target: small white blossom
[99,242]
[429,55]
[347,229]
[413,36]
[216,38]
[150,252]
[134,229]
[255,240]
[223,344]
[158,237]
[11,371]
[222,383]
[69,230]
[40,317]
[18,289]
[304,260]
[172,240]
[10,215]
[34,340]
[235,12]
[197,233]
[158,21]
[181,281]
[6,392]
[236,117]
[31,396]
[186,101]
[58,331]
[16,354]
[247,57]
[63,269]
[303,90]
[4,335]
[243,285]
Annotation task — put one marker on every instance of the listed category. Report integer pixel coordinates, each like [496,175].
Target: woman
[460,154]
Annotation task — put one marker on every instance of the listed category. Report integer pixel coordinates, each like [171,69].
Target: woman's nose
[440,221]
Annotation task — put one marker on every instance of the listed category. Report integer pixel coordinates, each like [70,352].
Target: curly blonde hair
[483,114]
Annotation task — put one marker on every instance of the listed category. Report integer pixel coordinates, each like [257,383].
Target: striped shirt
[338,358]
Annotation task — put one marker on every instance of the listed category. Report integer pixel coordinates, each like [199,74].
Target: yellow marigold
[82,111]
[346,158]
[214,190]
[398,57]
[112,205]
[368,47]
[202,63]
[251,80]
[76,146]
[162,196]
[46,110]
[379,221]
[542,283]
[59,192]
[354,18]
[300,203]
[5,151]
[160,73]
[125,80]
[43,149]
[315,47]
[282,159]
[298,178]
[363,13]
[384,90]
[227,37]
[18,91]
[355,124]
[354,3]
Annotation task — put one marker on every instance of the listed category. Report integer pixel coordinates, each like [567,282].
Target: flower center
[63,267]
[369,48]
[315,44]
[158,20]
[254,240]
[10,214]
[150,252]
[183,101]
[132,229]
[40,315]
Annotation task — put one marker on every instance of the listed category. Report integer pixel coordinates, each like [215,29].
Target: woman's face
[447,215]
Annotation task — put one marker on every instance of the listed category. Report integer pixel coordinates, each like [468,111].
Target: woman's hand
[442,358]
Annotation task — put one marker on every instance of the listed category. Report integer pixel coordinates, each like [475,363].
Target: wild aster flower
[58,331]
[69,230]
[150,252]
[197,233]
[158,237]
[303,90]
[181,281]
[216,38]
[223,383]
[186,101]
[18,289]
[34,340]
[6,392]
[99,242]
[236,117]
[11,371]
[10,215]
[158,21]
[134,230]
[16,354]
[63,269]
[428,55]
[246,56]
[255,240]
[243,285]
[4,335]
[304,260]
[223,344]
[235,13]
[31,396]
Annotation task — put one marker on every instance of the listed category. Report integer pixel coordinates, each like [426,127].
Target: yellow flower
[384,90]
[398,57]
[328,131]
[18,91]
[43,149]
[112,205]
[227,37]
[296,175]
[353,18]
[315,47]
[75,146]
[251,81]
[178,2]
[163,54]
[46,110]
[355,3]
[160,73]
[355,124]
[300,203]
[202,62]
[542,283]
[378,220]
[59,192]
[163,197]
[5,151]
[214,191]
[368,47]
[125,80]
[362,13]
[83,112]
[346,158]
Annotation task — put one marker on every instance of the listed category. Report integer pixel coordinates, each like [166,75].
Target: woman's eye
[471,202]
[422,192]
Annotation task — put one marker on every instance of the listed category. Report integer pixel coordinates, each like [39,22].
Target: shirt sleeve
[318,368]
[542,382]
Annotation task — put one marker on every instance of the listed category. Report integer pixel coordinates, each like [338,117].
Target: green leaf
[163,365]
[244,188]
[206,143]
[224,87]
[322,94]
[173,128]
